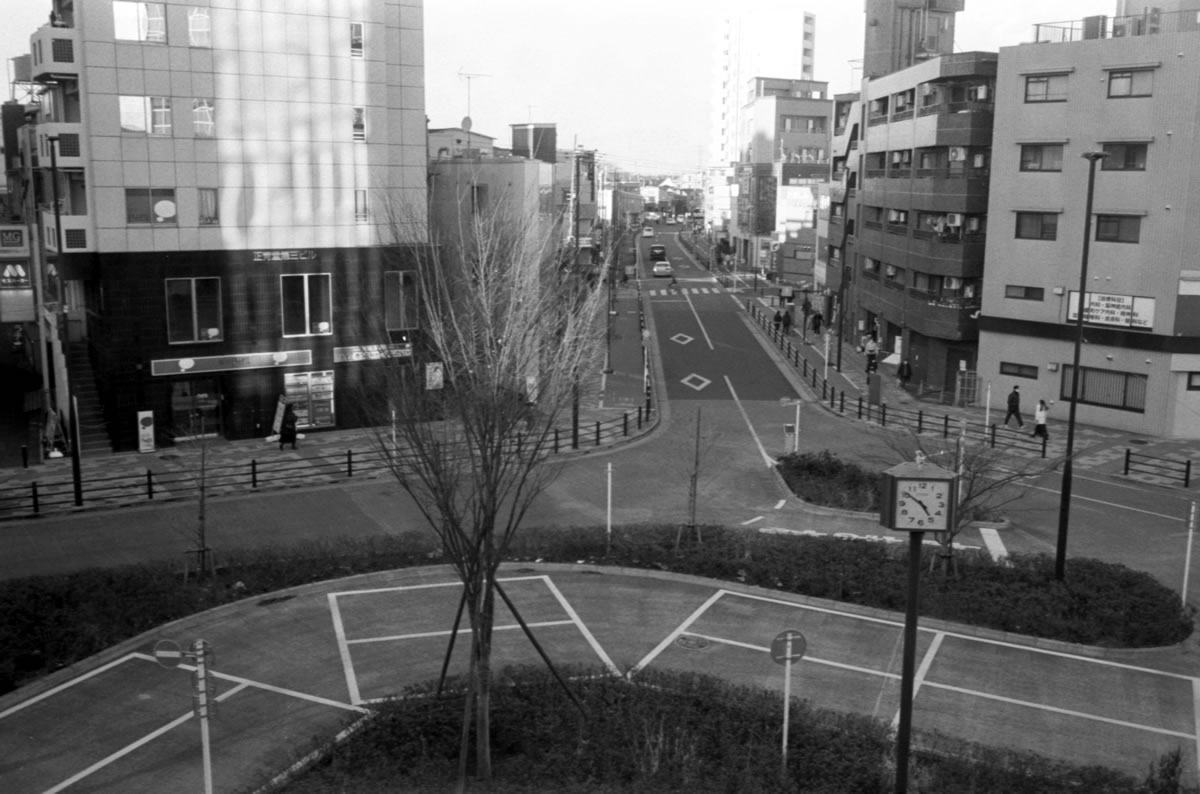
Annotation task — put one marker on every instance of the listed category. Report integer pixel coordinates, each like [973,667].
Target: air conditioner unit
[954,219]
[958,153]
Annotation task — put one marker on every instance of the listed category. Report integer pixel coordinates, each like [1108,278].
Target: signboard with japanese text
[1125,311]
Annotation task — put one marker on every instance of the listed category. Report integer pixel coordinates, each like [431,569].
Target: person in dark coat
[787,321]
[1014,407]
[817,319]
[904,373]
[777,319]
[287,427]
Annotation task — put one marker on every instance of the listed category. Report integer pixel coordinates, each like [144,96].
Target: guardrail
[1161,467]
[856,404]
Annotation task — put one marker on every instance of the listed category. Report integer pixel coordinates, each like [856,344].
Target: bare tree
[506,334]
[987,477]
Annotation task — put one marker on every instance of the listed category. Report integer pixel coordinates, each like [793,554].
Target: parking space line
[446,632]
[680,629]
[922,671]
[1196,719]
[339,632]
[995,546]
[583,629]
[66,685]
[1059,710]
[806,660]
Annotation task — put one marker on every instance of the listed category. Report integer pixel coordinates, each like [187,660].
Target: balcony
[76,233]
[69,154]
[56,52]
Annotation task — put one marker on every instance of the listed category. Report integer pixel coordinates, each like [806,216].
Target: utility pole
[469,76]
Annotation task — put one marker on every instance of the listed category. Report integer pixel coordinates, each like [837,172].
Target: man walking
[1014,407]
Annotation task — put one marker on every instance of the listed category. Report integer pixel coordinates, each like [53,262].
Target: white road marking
[339,631]
[446,632]
[587,634]
[699,322]
[779,505]
[922,671]
[1196,717]
[68,684]
[807,659]
[750,521]
[741,409]
[995,546]
[680,629]
[1077,497]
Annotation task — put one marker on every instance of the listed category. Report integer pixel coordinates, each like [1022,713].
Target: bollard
[824,389]
[920,421]
[1187,473]
[883,414]
[946,426]
[556,435]
[24,456]
[993,436]
[833,397]
[860,407]
[843,403]
[149,484]
[597,432]
[35,496]
[1126,472]
[349,463]
[625,423]
[253,473]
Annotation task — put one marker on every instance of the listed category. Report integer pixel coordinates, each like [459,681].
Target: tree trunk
[483,682]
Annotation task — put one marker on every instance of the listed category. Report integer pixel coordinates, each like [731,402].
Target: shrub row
[51,621]
[824,479]
[675,731]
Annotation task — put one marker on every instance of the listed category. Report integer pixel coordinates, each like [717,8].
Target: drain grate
[691,643]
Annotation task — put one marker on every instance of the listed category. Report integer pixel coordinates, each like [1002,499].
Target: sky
[630,79]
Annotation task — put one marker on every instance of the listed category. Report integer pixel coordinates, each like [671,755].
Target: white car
[647,231]
[662,269]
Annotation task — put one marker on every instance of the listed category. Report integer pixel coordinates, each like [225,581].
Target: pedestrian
[871,346]
[287,427]
[1014,407]
[1039,420]
[778,319]
[787,322]
[904,373]
[817,319]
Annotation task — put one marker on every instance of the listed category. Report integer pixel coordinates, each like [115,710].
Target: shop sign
[341,355]
[1126,311]
[190,366]
[13,241]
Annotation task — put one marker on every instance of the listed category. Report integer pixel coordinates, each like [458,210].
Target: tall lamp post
[1064,504]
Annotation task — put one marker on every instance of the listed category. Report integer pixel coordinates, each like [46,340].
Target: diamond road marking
[697,382]
[681,339]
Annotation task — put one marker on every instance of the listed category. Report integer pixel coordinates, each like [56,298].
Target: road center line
[1108,504]
[699,322]
[741,409]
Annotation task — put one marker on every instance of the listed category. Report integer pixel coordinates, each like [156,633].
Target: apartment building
[228,196]
[1123,86]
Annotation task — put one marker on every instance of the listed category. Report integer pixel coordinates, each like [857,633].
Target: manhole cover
[691,643]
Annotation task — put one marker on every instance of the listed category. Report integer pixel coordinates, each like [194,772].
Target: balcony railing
[55,52]
[1150,23]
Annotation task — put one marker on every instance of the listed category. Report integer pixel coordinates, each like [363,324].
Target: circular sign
[789,646]
[168,653]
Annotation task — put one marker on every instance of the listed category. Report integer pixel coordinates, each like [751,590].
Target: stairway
[93,432]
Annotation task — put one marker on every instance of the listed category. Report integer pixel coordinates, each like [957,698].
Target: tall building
[1124,86]
[225,195]
[901,33]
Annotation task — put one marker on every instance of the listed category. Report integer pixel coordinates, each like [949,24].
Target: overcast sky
[629,78]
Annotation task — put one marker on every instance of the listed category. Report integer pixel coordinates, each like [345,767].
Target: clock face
[922,504]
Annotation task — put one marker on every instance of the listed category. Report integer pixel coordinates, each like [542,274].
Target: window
[1193,381]
[150,205]
[400,300]
[148,114]
[1046,88]
[924,282]
[360,124]
[360,206]
[1019,370]
[307,308]
[207,203]
[204,118]
[199,27]
[1125,391]
[1118,228]
[1037,226]
[802,123]
[1124,157]
[139,21]
[193,310]
[1132,82]
[1019,292]
[1042,157]
[356,39]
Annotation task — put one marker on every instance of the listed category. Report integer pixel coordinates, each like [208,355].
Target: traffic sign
[789,646]
[168,654]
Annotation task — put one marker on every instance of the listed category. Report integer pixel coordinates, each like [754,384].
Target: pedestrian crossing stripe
[685,291]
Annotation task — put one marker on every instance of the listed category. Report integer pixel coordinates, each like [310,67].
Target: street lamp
[1064,504]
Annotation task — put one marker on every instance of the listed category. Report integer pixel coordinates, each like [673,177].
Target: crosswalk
[676,291]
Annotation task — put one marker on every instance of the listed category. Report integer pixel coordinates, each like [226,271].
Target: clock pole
[905,488]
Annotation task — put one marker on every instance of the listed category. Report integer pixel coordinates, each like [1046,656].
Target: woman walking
[287,427]
[1039,420]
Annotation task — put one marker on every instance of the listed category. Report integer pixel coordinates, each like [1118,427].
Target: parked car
[662,269]
[658,253]
[647,231]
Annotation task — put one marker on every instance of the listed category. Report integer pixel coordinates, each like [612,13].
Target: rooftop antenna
[469,76]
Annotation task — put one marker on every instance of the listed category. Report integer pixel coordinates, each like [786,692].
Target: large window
[1021,292]
[1118,228]
[1041,157]
[1124,157]
[139,21]
[1046,88]
[361,215]
[1124,391]
[307,304]
[206,200]
[1130,83]
[204,119]
[1018,370]
[150,205]
[400,300]
[1037,226]
[356,39]
[193,310]
[360,124]
[147,114]
[199,27]
[802,123]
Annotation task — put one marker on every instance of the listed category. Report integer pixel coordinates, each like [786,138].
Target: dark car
[658,253]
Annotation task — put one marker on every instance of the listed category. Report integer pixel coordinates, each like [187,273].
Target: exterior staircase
[93,432]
